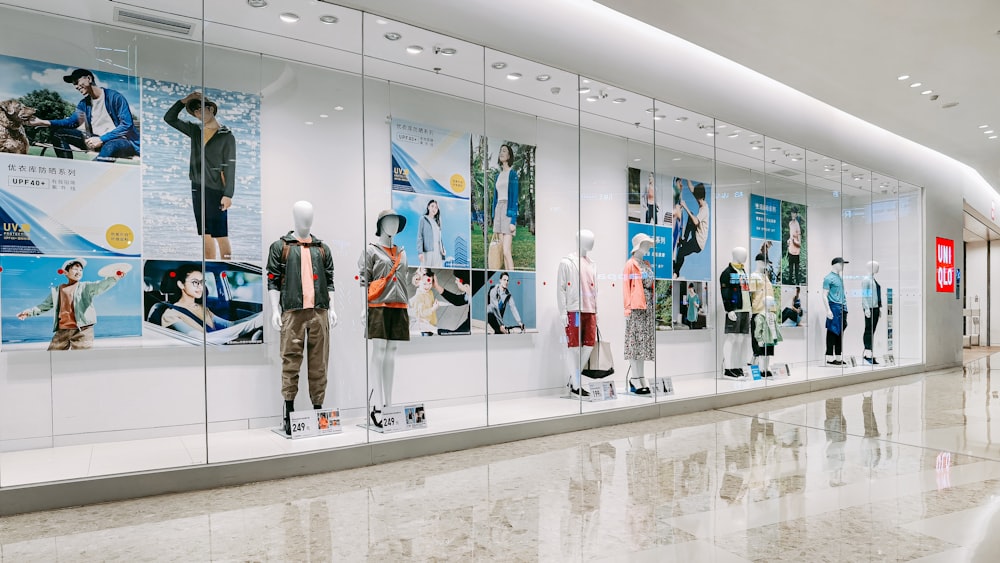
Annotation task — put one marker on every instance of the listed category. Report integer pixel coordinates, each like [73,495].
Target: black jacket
[286,277]
[220,153]
[732,293]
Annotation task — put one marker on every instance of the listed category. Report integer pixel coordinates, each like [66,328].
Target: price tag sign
[602,391]
[667,385]
[306,424]
[416,416]
[754,372]
[393,419]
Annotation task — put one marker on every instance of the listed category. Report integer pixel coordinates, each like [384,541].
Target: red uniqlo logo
[944,277]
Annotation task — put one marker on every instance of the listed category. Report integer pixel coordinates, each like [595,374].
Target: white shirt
[502,180]
[100,121]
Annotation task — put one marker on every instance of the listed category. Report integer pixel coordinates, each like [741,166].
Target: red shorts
[581,325]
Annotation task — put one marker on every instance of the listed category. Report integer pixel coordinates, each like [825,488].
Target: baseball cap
[839,260]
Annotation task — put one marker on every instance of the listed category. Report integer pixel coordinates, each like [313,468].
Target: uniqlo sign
[944,273]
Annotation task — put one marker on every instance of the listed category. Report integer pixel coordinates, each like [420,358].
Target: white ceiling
[848,53]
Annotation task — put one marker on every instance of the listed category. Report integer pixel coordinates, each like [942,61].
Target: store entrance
[981,249]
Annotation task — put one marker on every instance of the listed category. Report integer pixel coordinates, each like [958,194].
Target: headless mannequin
[574,362]
[383,358]
[872,308]
[735,345]
[837,359]
[302,216]
[638,366]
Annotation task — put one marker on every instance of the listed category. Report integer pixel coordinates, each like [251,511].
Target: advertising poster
[793,312]
[659,255]
[503,302]
[649,200]
[105,295]
[190,303]
[231,168]
[765,236]
[663,294]
[439,301]
[69,207]
[504,173]
[52,102]
[431,188]
[690,305]
[692,232]
[794,244]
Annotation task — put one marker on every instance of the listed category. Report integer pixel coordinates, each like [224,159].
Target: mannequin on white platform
[300,289]
[734,284]
[640,313]
[871,303]
[576,297]
[387,317]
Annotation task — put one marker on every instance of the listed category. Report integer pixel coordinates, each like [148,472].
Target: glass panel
[75,276]
[531,114]
[776,235]
[423,104]
[255,371]
[617,130]
[857,221]
[686,287]
[908,332]
[821,244]
[885,275]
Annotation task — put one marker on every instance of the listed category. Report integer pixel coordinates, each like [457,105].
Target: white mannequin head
[873,267]
[302,214]
[769,303]
[739,255]
[585,241]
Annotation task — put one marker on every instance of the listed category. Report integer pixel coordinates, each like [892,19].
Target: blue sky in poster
[429,160]
[765,215]
[522,292]
[21,76]
[697,266]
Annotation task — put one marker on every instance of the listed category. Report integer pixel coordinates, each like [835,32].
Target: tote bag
[495,258]
[601,363]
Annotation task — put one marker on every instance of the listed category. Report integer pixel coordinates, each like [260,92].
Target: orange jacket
[632,291]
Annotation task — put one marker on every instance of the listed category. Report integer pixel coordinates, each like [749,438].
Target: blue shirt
[835,285]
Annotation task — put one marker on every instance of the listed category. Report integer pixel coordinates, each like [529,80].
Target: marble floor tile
[894,470]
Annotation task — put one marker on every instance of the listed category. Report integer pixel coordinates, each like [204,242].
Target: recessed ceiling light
[902,77]
[925,92]
[585,81]
[446,51]
[709,134]
[733,135]
[592,98]
[514,76]
[984,126]
[652,110]
[328,19]
[289,17]
[381,22]
[583,90]
[992,137]
[676,158]
[755,148]
[949,105]
[659,117]
[257,3]
[543,78]
[721,126]
[309,122]
[499,65]
[680,119]
[773,149]
[916,84]
[393,36]
[636,159]
[323,115]
[988,132]
[414,49]
[338,108]
[618,101]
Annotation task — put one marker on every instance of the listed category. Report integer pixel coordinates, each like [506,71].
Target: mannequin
[640,314]
[871,302]
[387,318]
[734,285]
[760,290]
[576,297]
[766,335]
[836,311]
[300,289]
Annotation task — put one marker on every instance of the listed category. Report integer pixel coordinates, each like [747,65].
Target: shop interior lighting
[592,98]
[583,90]
[992,137]
[257,3]
[446,51]
[984,126]
[414,49]
[514,76]
[659,117]
[916,84]
[925,92]
[381,22]
[652,110]
[323,115]
[328,19]
[289,17]
[902,77]
[338,108]
[681,119]
[988,132]
[618,101]
[499,65]
[393,36]
[543,78]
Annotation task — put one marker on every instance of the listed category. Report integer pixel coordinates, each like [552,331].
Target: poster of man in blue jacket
[104,116]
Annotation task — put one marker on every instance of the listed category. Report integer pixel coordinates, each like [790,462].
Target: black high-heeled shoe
[637,390]
[375,422]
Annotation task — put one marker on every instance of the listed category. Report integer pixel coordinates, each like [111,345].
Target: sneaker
[581,392]
[872,361]
[834,363]
[732,373]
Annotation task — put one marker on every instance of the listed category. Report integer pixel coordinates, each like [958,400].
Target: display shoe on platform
[643,390]
[581,391]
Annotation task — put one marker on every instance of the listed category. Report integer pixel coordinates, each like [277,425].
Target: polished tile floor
[896,470]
